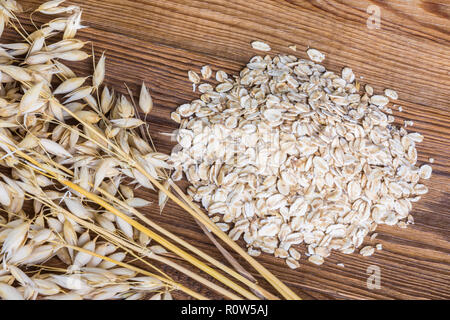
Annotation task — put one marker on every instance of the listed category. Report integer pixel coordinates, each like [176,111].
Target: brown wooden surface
[159,41]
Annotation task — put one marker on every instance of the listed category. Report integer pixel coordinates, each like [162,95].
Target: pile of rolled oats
[289,153]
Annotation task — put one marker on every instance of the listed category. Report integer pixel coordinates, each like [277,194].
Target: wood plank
[159,41]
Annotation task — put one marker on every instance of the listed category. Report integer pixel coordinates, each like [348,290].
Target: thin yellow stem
[159,239]
[144,251]
[190,247]
[197,213]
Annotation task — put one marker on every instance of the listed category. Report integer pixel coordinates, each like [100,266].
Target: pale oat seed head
[70,85]
[50,4]
[30,98]
[54,148]
[8,292]
[74,55]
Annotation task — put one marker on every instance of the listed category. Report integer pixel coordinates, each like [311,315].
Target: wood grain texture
[159,41]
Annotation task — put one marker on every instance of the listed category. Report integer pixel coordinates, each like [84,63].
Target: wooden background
[159,41]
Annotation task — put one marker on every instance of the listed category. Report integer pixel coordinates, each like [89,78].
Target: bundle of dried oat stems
[72,152]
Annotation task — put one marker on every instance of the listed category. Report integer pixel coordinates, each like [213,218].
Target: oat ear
[145,100]
[70,85]
[50,4]
[99,73]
